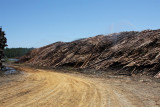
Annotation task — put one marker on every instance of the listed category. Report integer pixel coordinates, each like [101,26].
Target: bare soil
[47,88]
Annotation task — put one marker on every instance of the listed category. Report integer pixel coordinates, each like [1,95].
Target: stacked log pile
[3,42]
[125,52]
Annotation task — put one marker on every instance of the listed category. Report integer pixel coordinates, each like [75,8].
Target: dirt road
[43,88]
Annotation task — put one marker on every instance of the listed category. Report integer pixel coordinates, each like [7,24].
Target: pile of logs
[127,53]
[3,42]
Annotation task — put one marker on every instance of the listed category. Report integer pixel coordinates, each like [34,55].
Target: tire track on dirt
[50,89]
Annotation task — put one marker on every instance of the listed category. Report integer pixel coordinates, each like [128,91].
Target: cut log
[157,75]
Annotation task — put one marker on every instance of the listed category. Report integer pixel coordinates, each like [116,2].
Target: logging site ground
[80,53]
[33,87]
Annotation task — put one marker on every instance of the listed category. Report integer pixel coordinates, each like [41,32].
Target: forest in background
[16,52]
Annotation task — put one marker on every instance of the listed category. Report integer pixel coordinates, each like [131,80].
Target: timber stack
[126,53]
[3,44]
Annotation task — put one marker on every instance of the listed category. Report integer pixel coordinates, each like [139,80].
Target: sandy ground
[45,88]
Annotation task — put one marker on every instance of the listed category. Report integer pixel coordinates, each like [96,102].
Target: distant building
[3,44]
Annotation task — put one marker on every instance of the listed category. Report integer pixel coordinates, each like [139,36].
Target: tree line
[16,52]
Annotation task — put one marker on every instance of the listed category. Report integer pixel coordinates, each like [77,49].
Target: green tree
[16,52]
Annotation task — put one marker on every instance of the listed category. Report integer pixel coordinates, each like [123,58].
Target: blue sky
[35,23]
